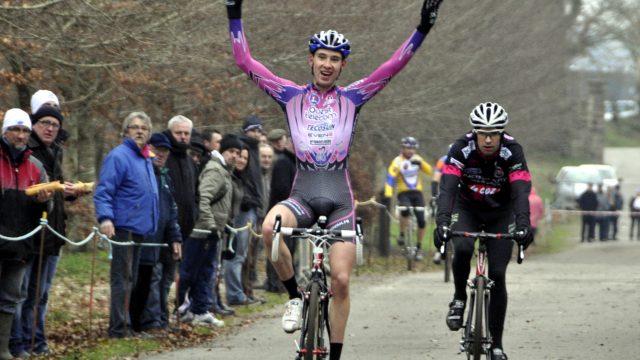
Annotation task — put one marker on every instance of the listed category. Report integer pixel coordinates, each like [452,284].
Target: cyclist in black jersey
[321,117]
[485,181]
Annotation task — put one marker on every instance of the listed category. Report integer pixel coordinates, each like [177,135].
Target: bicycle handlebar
[486,235]
[317,233]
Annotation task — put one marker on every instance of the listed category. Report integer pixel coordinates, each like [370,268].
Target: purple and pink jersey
[322,125]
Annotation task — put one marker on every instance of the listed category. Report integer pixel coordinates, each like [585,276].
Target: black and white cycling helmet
[489,115]
[331,40]
[409,142]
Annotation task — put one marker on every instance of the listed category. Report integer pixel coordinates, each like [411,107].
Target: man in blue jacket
[126,202]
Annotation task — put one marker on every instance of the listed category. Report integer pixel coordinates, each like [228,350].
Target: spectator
[588,202]
[126,201]
[182,171]
[46,125]
[149,308]
[233,268]
[536,211]
[19,214]
[211,138]
[284,168]
[602,217]
[634,207]
[197,151]
[617,202]
[250,275]
[197,270]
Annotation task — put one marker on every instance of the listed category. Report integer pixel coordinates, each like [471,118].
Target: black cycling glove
[429,13]
[234,8]
[441,234]
[524,236]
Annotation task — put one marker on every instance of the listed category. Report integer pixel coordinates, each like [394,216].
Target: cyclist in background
[321,117]
[485,181]
[404,173]
[435,185]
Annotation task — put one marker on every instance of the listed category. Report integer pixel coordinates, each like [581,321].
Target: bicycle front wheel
[313,323]
[478,328]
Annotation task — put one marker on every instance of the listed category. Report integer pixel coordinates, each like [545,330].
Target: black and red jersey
[499,182]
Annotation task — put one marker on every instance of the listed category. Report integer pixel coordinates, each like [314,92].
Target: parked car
[607,173]
[571,182]
[623,109]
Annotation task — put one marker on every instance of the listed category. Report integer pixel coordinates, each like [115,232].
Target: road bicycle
[476,339]
[410,250]
[315,328]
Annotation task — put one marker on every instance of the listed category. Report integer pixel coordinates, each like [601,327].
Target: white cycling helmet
[331,40]
[489,115]
[409,142]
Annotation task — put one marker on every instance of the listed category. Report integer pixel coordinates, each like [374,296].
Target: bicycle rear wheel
[409,249]
[313,323]
[478,328]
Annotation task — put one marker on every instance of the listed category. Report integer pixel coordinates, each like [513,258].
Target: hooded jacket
[19,213]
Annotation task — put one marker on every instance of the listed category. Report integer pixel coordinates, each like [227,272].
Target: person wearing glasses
[19,214]
[485,181]
[127,209]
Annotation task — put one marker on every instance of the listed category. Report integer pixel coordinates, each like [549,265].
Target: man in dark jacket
[46,125]
[149,306]
[126,202]
[588,201]
[284,171]
[183,172]
[19,214]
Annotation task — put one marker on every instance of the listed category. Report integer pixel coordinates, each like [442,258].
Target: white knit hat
[15,117]
[41,97]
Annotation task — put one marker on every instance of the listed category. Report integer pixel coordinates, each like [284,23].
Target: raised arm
[363,90]
[278,88]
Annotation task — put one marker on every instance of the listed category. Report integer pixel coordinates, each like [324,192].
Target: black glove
[441,234]
[524,236]
[234,8]
[429,13]
[386,201]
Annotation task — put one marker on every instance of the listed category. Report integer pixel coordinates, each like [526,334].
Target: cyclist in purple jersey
[321,118]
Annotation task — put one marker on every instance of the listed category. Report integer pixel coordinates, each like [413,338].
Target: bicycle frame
[316,294]
[476,338]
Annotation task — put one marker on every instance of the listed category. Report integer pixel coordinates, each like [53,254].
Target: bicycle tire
[313,323]
[478,329]
[409,253]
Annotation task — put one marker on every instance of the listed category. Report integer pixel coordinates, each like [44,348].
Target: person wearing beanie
[198,270]
[46,126]
[127,182]
[19,214]
[42,97]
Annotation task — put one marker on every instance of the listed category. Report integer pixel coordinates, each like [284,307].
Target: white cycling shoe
[292,315]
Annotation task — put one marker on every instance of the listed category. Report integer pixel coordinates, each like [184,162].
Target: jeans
[124,272]
[23,320]
[167,273]
[233,267]
[141,296]
[196,272]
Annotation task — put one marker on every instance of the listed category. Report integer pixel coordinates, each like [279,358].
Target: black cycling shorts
[413,198]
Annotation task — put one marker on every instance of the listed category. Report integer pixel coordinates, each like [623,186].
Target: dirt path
[580,304]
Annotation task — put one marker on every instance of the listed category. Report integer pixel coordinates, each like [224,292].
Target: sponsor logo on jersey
[498,172]
[473,171]
[505,153]
[324,115]
[484,189]
[314,99]
[518,166]
[320,142]
[321,127]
